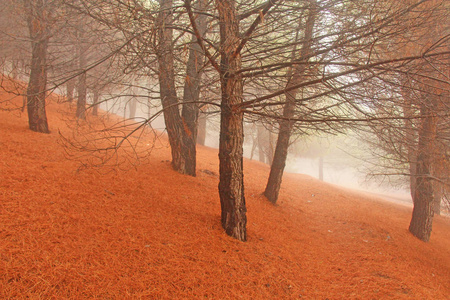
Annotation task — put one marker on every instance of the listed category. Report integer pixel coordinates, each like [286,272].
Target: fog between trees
[273,71]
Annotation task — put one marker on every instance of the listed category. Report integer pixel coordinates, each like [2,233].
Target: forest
[130,122]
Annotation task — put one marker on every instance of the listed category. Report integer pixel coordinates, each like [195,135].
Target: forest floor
[141,230]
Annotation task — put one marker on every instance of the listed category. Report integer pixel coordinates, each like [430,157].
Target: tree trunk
[81,102]
[36,91]
[231,184]
[201,134]
[410,136]
[279,159]
[133,106]
[437,189]
[191,94]
[82,86]
[70,87]
[262,143]
[321,167]
[95,102]
[422,217]
[169,98]
[281,150]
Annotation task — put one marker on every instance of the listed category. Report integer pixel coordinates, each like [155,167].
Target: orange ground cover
[144,231]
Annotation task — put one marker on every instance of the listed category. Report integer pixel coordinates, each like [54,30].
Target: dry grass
[148,232]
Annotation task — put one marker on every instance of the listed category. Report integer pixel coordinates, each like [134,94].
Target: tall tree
[285,128]
[38,13]
[181,129]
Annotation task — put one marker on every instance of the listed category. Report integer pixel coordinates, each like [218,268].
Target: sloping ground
[148,232]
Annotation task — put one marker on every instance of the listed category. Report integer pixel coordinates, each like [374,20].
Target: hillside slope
[148,232]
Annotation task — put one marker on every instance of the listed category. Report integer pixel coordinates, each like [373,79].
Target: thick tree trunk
[437,189]
[422,217]
[36,91]
[191,94]
[281,150]
[231,185]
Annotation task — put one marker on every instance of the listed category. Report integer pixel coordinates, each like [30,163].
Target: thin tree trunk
[133,106]
[95,102]
[191,94]
[281,150]
[70,87]
[321,167]
[36,91]
[82,86]
[262,143]
[422,217]
[410,136]
[201,134]
[231,184]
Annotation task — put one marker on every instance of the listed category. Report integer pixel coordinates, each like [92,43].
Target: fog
[340,166]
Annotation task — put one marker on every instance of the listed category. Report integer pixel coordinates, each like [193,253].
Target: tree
[38,12]
[182,130]
[285,127]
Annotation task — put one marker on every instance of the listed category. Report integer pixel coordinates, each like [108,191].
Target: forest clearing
[146,231]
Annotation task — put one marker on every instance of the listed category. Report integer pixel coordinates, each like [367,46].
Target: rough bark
[422,217]
[169,98]
[281,150]
[231,185]
[191,110]
[36,91]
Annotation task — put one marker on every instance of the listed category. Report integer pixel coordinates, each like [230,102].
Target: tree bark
[231,184]
[422,217]
[169,98]
[191,94]
[36,91]
[281,150]
[437,189]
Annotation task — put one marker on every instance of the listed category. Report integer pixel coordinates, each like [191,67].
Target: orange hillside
[148,232]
